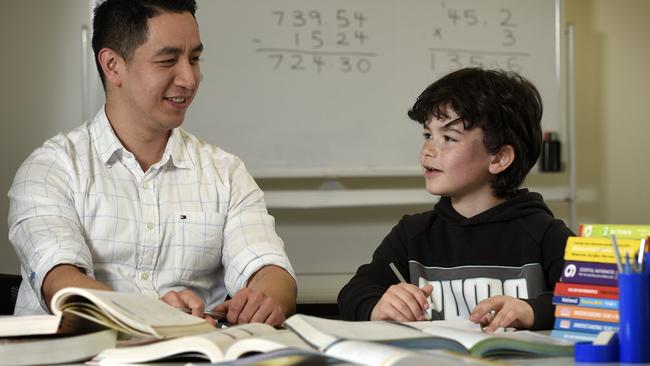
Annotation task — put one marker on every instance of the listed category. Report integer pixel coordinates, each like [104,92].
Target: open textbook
[78,311]
[457,336]
[219,345]
[130,313]
[234,343]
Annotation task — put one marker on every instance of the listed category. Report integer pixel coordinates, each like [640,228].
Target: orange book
[579,312]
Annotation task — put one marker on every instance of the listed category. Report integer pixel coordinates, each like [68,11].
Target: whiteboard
[321,88]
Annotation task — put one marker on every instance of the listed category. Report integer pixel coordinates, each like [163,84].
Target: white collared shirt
[195,220]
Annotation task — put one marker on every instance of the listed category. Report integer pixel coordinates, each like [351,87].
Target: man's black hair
[506,106]
[121,25]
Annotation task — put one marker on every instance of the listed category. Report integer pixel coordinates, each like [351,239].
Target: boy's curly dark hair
[506,106]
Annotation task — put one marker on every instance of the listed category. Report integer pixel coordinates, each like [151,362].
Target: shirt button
[150,226]
[144,276]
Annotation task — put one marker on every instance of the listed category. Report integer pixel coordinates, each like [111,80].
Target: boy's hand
[501,312]
[402,302]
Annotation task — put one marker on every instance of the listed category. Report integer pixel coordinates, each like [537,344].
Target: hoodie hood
[522,204]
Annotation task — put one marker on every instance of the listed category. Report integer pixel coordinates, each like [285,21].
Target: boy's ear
[502,159]
[112,65]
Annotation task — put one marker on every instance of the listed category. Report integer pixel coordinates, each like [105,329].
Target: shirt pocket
[199,238]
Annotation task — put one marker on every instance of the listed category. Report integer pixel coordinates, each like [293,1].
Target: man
[129,201]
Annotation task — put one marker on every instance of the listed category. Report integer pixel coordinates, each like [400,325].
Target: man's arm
[66,275]
[276,283]
[44,226]
[269,297]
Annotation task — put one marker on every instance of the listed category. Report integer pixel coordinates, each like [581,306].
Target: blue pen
[626,269]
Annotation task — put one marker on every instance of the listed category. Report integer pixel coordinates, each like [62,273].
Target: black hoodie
[515,248]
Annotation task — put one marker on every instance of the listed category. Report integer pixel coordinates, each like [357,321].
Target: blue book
[587,302]
[585,326]
[573,336]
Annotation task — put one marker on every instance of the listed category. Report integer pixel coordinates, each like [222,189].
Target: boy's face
[161,80]
[454,160]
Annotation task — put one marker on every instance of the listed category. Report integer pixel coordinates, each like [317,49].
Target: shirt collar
[103,137]
[176,151]
[107,144]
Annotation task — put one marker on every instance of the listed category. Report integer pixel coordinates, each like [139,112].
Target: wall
[41,95]
[612,81]
[41,86]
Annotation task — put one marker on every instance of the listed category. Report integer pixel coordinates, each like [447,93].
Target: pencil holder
[634,317]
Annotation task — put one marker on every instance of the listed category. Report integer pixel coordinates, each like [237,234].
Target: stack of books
[586,297]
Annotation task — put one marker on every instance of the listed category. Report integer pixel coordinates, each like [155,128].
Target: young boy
[488,251]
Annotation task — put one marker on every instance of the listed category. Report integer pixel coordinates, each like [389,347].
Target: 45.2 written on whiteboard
[313,88]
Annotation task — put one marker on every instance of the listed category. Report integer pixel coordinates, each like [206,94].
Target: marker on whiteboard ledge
[402,280]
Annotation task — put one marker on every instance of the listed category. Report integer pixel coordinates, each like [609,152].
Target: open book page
[372,354]
[283,357]
[500,343]
[130,312]
[281,339]
[211,346]
[321,332]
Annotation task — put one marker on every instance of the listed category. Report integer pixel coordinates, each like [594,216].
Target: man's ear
[112,65]
[502,159]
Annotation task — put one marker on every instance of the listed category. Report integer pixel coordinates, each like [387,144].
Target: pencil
[617,254]
[402,280]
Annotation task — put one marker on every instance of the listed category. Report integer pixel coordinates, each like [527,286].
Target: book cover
[573,336]
[621,231]
[54,349]
[585,290]
[588,302]
[577,312]
[581,325]
[600,250]
[605,274]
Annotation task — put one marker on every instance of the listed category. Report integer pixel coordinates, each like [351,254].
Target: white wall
[41,93]
[612,80]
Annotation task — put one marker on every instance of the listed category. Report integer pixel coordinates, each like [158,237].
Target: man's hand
[269,297]
[187,299]
[402,302]
[501,312]
[252,306]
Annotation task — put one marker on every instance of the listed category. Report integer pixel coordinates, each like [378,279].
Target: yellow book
[600,250]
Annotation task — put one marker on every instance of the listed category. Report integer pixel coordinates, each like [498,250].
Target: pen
[213,314]
[402,280]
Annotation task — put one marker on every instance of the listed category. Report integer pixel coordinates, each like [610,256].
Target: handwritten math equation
[316,41]
[338,40]
[499,25]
